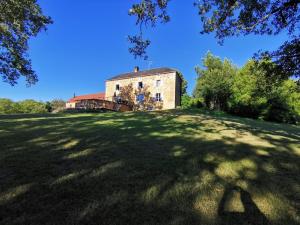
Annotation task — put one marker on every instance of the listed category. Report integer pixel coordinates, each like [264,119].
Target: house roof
[98,96]
[142,73]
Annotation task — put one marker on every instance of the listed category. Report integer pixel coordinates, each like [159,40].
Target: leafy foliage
[147,12]
[58,105]
[284,104]
[188,102]
[246,98]
[130,95]
[127,94]
[253,91]
[287,57]
[184,84]
[8,106]
[48,106]
[238,17]
[139,46]
[19,21]
[215,81]
[31,106]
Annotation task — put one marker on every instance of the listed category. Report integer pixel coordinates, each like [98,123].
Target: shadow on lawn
[250,215]
[147,168]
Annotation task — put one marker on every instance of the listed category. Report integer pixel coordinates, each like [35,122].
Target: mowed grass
[173,167]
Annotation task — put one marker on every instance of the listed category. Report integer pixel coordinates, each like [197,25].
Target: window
[158,82]
[118,99]
[140,98]
[158,97]
[117,87]
[140,85]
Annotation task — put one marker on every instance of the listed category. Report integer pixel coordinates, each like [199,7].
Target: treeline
[8,106]
[259,89]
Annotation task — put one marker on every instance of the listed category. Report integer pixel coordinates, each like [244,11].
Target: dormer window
[117,87]
[140,85]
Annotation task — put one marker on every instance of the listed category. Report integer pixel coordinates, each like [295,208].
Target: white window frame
[158,83]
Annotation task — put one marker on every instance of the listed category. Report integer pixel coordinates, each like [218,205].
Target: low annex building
[162,84]
[74,102]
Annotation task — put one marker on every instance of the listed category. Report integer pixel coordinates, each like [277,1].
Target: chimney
[136,69]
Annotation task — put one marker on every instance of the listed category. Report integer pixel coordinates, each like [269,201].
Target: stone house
[164,85]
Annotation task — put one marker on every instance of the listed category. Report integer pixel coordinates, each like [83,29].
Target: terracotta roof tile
[98,96]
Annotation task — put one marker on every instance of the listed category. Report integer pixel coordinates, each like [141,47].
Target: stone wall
[169,88]
[70,105]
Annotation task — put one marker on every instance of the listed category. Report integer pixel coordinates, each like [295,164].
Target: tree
[147,12]
[214,81]
[184,84]
[7,106]
[232,18]
[48,106]
[139,98]
[19,21]
[287,57]
[31,106]
[58,105]
[251,91]
[248,93]
[127,94]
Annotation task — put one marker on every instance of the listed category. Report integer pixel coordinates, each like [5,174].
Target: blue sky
[87,44]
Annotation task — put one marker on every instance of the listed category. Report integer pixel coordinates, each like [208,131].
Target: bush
[279,111]
[197,103]
[58,105]
[185,101]
[31,106]
[284,104]
[7,106]
[189,102]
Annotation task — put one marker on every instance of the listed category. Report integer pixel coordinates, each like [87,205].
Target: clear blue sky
[87,44]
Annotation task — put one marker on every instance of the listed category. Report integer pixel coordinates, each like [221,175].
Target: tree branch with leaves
[19,21]
[226,18]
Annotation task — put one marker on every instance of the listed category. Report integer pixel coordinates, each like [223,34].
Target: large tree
[214,81]
[232,18]
[19,21]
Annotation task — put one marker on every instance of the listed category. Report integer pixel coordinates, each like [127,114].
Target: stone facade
[164,85]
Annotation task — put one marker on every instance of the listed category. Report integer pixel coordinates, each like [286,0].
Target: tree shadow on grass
[140,168]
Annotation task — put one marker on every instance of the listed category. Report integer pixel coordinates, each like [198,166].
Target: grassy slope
[178,167]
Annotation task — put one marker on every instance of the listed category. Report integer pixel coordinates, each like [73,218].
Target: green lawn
[176,167]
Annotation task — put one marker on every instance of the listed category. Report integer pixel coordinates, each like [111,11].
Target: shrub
[7,106]
[31,106]
[189,102]
[58,105]
[284,104]
[279,111]
[186,101]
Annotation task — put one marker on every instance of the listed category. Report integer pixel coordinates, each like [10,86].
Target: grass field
[175,167]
